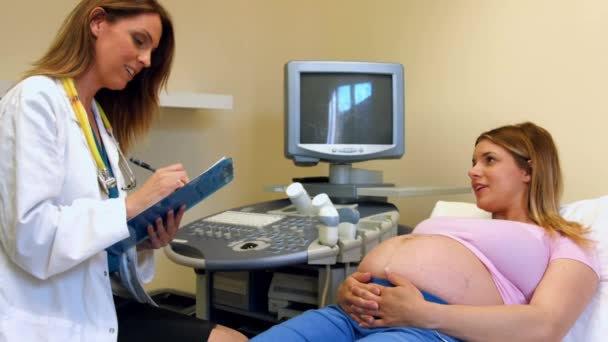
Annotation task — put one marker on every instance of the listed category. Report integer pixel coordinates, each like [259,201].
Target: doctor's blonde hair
[132,110]
[535,152]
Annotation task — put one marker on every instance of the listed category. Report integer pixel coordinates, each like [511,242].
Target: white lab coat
[54,222]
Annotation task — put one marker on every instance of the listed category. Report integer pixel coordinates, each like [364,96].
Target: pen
[142,164]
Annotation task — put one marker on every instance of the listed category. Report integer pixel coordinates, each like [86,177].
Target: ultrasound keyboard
[241,218]
[278,234]
[252,237]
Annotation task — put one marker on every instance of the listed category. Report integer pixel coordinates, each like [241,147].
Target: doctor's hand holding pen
[162,182]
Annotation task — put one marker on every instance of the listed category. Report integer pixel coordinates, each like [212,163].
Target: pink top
[516,253]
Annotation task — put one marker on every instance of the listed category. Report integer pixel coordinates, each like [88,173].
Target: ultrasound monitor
[343,111]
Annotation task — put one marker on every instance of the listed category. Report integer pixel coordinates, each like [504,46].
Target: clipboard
[211,180]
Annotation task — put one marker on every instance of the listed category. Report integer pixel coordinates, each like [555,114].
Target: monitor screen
[346,108]
[343,112]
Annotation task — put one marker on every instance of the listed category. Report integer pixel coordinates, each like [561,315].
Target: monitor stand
[343,182]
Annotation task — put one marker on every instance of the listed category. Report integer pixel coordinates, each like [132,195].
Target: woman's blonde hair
[535,152]
[132,110]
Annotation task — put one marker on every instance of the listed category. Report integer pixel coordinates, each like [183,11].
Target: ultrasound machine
[335,112]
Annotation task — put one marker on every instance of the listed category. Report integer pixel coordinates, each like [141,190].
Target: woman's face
[123,48]
[499,184]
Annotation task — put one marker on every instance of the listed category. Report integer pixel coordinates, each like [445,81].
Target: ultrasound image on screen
[340,108]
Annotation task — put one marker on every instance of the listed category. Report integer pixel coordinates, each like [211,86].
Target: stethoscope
[106,181]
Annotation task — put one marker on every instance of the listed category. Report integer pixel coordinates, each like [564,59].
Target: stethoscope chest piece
[106,182]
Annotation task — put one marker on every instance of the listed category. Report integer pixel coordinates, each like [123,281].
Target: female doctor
[63,180]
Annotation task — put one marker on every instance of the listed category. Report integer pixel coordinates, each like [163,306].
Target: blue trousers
[331,323]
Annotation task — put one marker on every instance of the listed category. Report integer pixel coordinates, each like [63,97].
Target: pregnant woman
[527,274]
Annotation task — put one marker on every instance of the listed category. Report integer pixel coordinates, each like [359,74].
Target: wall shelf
[195,100]
[173,99]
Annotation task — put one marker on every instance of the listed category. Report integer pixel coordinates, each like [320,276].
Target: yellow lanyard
[106,181]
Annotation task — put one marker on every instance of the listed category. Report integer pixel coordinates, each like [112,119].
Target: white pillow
[459,209]
[592,213]
[591,325]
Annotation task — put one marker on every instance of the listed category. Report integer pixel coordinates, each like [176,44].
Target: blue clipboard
[199,188]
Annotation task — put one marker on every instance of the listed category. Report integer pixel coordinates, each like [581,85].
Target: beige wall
[470,65]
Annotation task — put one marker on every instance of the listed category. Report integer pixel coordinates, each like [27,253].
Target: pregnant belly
[437,264]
